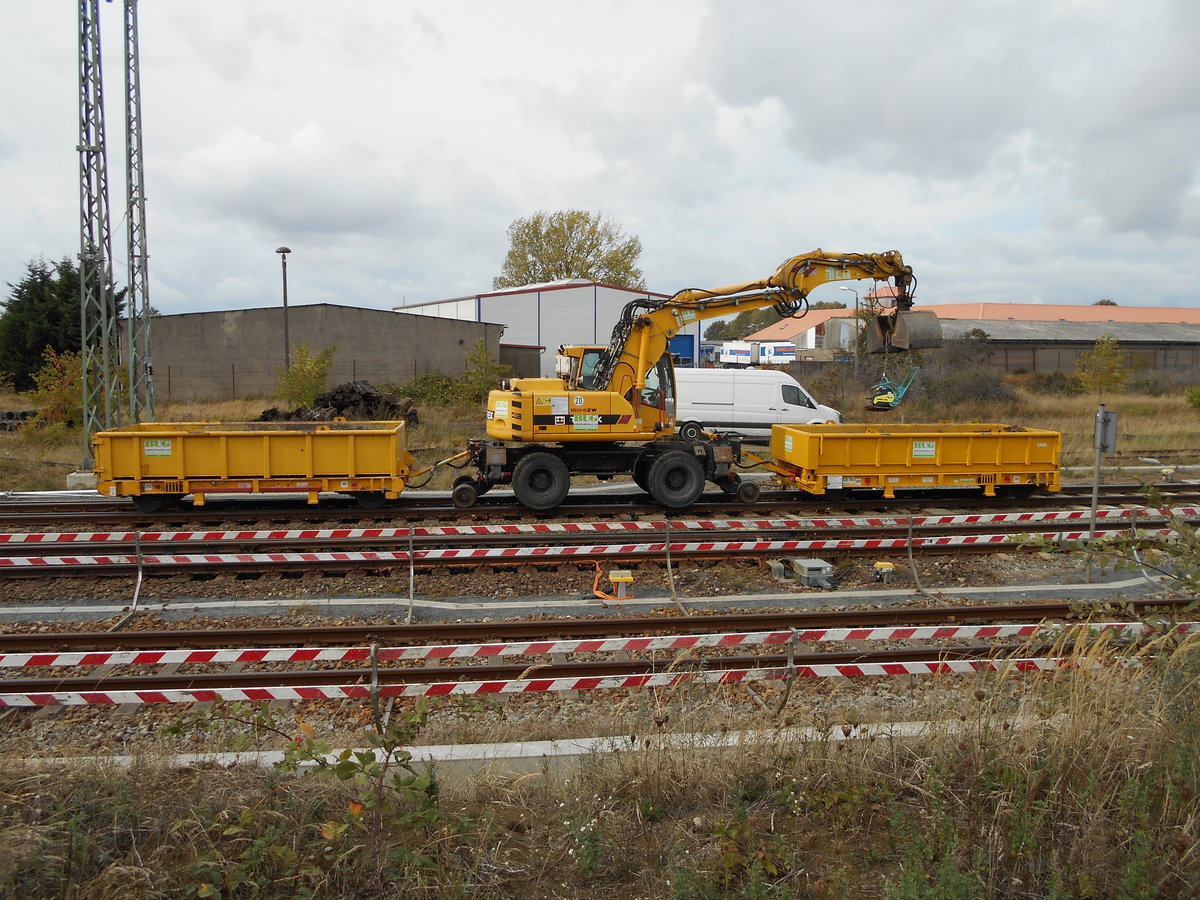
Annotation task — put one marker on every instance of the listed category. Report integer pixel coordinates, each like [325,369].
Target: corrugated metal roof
[1086,332]
[560,285]
[1116,320]
[1065,312]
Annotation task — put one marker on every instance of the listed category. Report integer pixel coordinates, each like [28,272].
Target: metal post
[855,331]
[287,351]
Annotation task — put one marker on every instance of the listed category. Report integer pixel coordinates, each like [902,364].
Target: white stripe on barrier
[500,554]
[683,525]
[535,685]
[573,646]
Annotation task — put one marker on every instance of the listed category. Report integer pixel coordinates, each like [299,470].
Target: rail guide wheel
[465,492]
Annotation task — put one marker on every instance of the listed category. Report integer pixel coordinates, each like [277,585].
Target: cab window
[587,370]
[659,391]
[793,396]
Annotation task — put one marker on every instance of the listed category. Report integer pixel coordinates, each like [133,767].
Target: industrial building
[239,353]
[538,318]
[1024,337]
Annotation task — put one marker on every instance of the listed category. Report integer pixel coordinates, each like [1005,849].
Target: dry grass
[1081,783]
[1147,423]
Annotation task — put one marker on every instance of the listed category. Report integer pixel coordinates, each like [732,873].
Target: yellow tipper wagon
[157,463]
[1004,459]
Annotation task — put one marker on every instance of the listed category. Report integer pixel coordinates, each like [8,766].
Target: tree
[483,372]
[1105,302]
[570,243]
[1100,369]
[42,312]
[58,388]
[300,383]
[742,324]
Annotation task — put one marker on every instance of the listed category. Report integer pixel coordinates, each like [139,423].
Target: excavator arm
[627,396]
[646,327]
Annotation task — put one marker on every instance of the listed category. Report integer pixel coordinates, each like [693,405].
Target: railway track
[38,554]
[491,672]
[510,631]
[684,654]
[97,512]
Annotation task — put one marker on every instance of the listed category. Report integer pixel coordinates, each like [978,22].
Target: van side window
[793,396]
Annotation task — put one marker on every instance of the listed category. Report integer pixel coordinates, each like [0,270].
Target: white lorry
[757,353]
[748,401]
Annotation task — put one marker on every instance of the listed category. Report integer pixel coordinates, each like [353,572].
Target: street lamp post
[287,347]
[856,327]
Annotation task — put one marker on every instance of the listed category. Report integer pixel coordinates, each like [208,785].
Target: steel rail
[104,511]
[390,674]
[575,533]
[561,628]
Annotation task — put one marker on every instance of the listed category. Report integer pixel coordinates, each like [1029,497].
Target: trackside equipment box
[157,463]
[1008,459]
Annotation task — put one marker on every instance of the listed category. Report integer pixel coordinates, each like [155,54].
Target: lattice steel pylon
[105,387]
[98,319]
[141,373]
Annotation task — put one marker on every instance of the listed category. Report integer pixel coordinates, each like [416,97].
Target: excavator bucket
[909,330]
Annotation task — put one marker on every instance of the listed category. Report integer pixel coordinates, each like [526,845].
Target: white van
[746,400]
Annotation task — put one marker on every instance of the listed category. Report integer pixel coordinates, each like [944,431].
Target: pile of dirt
[355,401]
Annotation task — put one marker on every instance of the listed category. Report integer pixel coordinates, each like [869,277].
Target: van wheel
[676,479]
[541,481]
[691,431]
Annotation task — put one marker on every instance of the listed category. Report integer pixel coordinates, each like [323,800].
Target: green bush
[435,388]
[1055,382]
[299,384]
[58,388]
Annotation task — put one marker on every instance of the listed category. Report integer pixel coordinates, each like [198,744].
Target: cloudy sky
[1034,151]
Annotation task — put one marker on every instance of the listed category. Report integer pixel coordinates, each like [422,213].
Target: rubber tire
[691,431]
[676,479]
[641,473]
[540,481]
[370,499]
[465,494]
[1021,491]
[748,491]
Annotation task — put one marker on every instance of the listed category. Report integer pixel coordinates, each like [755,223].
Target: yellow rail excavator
[611,410]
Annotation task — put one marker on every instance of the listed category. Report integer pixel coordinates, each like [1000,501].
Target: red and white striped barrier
[540,685]
[518,554]
[652,643]
[577,528]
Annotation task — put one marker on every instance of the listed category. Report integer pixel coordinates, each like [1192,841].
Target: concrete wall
[237,353]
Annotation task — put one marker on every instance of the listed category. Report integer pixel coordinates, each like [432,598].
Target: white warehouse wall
[542,315]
